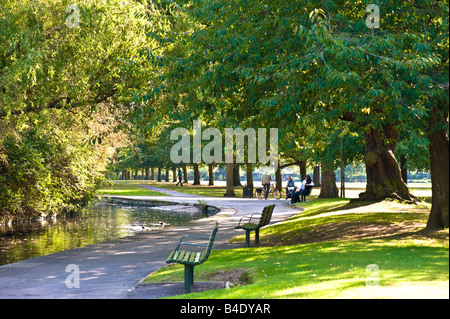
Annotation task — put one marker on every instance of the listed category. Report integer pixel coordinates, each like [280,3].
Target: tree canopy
[311,69]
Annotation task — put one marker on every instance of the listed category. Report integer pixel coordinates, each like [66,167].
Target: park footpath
[114,269]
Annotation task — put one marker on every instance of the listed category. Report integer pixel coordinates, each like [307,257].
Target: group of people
[291,191]
[296,194]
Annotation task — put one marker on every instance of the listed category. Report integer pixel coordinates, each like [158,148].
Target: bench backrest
[205,253]
[266,215]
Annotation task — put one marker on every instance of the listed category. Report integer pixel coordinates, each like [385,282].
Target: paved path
[113,269]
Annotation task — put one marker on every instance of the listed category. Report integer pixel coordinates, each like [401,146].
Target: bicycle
[260,192]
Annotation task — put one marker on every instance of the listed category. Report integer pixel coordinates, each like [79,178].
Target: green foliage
[64,95]
[287,63]
[41,176]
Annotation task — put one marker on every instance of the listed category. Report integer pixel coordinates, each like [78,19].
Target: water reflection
[99,223]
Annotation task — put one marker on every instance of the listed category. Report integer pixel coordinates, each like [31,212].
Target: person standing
[265,181]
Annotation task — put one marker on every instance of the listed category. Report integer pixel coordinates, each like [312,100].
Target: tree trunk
[328,188]
[210,174]
[153,173]
[439,162]
[174,175]
[404,168]
[316,175]
[167,175]
[278,181]
[249,175]
[185,173]
[236,175]
[302,170]
[384,178]
[147,173]
[196,174]
[230,188]
[159,174]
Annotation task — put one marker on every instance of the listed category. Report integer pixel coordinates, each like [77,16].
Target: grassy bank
[330,251]
[123,189]
[131,188]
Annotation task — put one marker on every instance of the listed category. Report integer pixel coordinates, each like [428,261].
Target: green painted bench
[192,258]
[248,226]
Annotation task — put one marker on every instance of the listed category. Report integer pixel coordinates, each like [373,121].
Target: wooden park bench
[249,226]
[192,258]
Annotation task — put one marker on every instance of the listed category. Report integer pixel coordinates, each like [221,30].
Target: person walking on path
[265,181]
[180,178]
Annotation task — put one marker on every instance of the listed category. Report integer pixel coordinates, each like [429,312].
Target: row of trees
[311,69]
[314,70]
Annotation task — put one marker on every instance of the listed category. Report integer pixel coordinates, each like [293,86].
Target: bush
[39,177]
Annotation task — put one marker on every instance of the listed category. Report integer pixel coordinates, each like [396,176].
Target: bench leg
[247,238]
[188,278]
[257,236]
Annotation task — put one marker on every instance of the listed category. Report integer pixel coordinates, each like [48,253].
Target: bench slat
[193,258]
[197,257]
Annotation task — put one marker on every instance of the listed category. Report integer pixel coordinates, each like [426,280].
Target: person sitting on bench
[296,195]
[290,187]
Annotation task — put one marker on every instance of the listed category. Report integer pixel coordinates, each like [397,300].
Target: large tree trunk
[278,180]
[236,175]
[210,175]
[328,188]
[316,175]
[185,174]
[249,175]
[384,178]
[404,168]
[302,170]
[174,175]
[230,188]
[167,175]
[196,174]
[439,162]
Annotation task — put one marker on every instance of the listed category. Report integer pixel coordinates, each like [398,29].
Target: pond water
[99,223]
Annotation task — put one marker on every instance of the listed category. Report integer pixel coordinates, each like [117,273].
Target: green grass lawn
[202,190]
[127,190]
[325,252]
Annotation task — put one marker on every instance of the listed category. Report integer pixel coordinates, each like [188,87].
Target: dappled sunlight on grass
[327,270]
[425,290]
[333,265]
[127,190]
